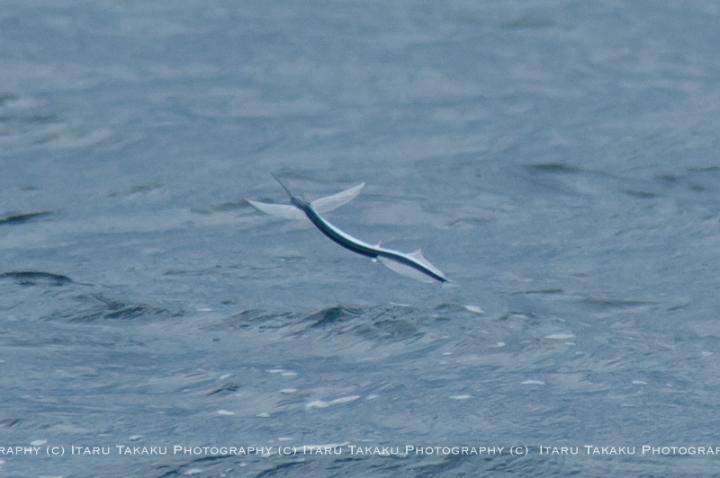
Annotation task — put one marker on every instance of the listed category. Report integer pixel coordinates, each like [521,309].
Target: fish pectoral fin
[405,270]
[286,211]
[330,203]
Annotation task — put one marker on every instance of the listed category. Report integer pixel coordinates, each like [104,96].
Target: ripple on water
[224,389]
[332,403]
[373,324]
[36,278]
[475,309]
[22,218]
[97,307]
[560,336]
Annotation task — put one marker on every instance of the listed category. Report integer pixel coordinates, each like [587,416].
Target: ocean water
[558,160]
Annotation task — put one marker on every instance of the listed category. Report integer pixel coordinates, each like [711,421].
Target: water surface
[557,160]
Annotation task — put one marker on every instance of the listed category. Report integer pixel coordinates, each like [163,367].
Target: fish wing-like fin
[330,203]
[418,256]
[285,211]
[405,270]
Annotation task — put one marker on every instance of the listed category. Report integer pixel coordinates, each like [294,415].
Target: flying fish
[411,264]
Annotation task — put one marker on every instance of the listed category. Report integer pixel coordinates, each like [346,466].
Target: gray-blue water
[558,160]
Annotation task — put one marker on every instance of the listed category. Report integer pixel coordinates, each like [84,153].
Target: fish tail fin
[286,211]
[283,186]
